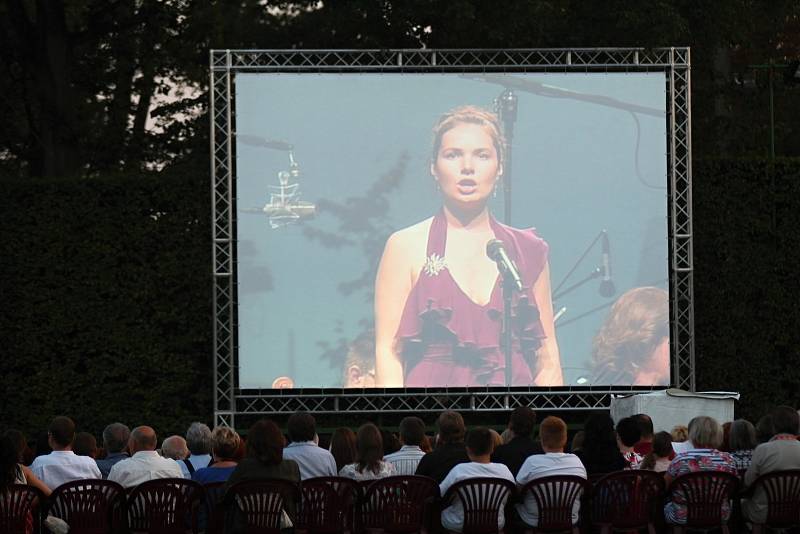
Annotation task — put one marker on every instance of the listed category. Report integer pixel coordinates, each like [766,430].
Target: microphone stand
[506,106]
[506,334]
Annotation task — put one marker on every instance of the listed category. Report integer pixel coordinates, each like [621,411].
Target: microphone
[497,252]
[607,288]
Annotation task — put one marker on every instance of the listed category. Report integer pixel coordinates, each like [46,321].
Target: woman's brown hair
[265,442]
[369,448]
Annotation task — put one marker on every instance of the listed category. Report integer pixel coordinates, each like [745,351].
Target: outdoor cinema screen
[376,212]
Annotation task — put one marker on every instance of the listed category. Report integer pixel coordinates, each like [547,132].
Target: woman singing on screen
[438,297]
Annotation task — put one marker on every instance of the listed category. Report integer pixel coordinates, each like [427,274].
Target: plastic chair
[483,500]
[627,500]
[555,499]
[327,505]
[782,492]
[399,504]
[90,506]
[164,506]
[19,509]
[258,506]
[211,517]
[704,494]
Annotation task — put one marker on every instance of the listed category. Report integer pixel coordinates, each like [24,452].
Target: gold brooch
[434,264]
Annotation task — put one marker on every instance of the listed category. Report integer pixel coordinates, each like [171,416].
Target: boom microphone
[607,288]
[497,252]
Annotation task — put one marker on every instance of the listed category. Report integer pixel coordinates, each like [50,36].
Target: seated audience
[521,445]
[554,461]
[145,463]
[62,465]
[391,443]
[425,444]
[705,433]
[314,461]
[765,429]
[781,452]
[115,441]
[726,437]
[658,458]
[198,440]
[600,452]
[343,447]
[645,443]
[449,450]
[85,444]
[742,441]
[405,461]
[12,471]
[479,451]
[224,446]
[20,444]
[628,435]
[577,442]
[369,464]
[174,447]
[680,433]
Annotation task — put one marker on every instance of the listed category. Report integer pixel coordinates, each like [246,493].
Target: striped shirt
[692,461]
[405,460]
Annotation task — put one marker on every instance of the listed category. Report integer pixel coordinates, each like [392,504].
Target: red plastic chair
[327,505]
[627,500]
[257,506]
[89,506]
[782,492]
[704,493]
[555,498]
[399,505]
[164,506]
[483,500]
[19,509]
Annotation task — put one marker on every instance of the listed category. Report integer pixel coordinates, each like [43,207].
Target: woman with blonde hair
[224,448]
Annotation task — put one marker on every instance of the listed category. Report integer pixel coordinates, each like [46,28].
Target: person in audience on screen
[765,429]
[632,345]
[343,447]
[645,443]
[438,299]
[406,460]
[658,458]
[85,444]
[369,464]
[314,461]
[554,462]
[479,444]
[63,465]
[198,440]
[742,442]
[521,445]
[705,433]
[600,452]
[145,463]
[359,366]
[628,435]
[224,447]
[12,471]
[449,451]
[780,453]
[680,433]
[175,447]
[115,442]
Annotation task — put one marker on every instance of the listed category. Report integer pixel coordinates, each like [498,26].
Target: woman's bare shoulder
[411,235]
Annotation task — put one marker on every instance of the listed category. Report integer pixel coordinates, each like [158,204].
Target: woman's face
[467,165]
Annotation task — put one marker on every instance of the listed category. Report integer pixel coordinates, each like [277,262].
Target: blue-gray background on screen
[574,174]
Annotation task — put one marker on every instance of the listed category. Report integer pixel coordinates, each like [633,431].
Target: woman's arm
[34,481]
[549,371]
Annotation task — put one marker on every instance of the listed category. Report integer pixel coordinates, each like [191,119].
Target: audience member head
[705,432]
[143,438]
[765,429]
[224,444]
[662,448]
[43,444]
[343,447]
[265,442]
[8,461]
[301,427]
[198,439]
[85,444]
[412,431]
[600,434]
[480,444]
[645,424]
[507,435]
[743,436]
[553,433]
[680,433]
[425,444]
[20,444]
[61,433]
[391,443]
[785,420]
[116,437]
[175,447]
[577,441]
[522,421]
[450,427]
[497,439]
[726,437]
[369,448]
[359,367]
[628,432]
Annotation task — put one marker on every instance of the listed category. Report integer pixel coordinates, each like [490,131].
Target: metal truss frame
[229,400]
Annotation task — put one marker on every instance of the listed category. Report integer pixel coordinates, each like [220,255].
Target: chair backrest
[164,505]
[483,499]
[556,498]
[327,504]
[19,508]
[706,495]
[627,499]
[89,506]
[258,506]
[212,512]
[782,491]
[399,504]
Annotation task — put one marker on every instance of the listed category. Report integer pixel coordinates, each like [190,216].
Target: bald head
[174,447]
[143,438]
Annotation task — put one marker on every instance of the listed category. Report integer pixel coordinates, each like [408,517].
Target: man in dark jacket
[513,453]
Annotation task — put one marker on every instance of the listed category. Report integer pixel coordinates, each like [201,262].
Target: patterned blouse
[692,461]
[742,458]
[351,471]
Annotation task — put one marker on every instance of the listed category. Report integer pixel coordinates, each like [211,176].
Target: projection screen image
[445,230]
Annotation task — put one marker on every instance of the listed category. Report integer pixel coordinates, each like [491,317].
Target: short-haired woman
[224,446]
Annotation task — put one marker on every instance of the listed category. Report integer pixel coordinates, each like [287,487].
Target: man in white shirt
[405,461]
[62,465]
[480,445]
[554,461]
[313,460]
[145,464]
